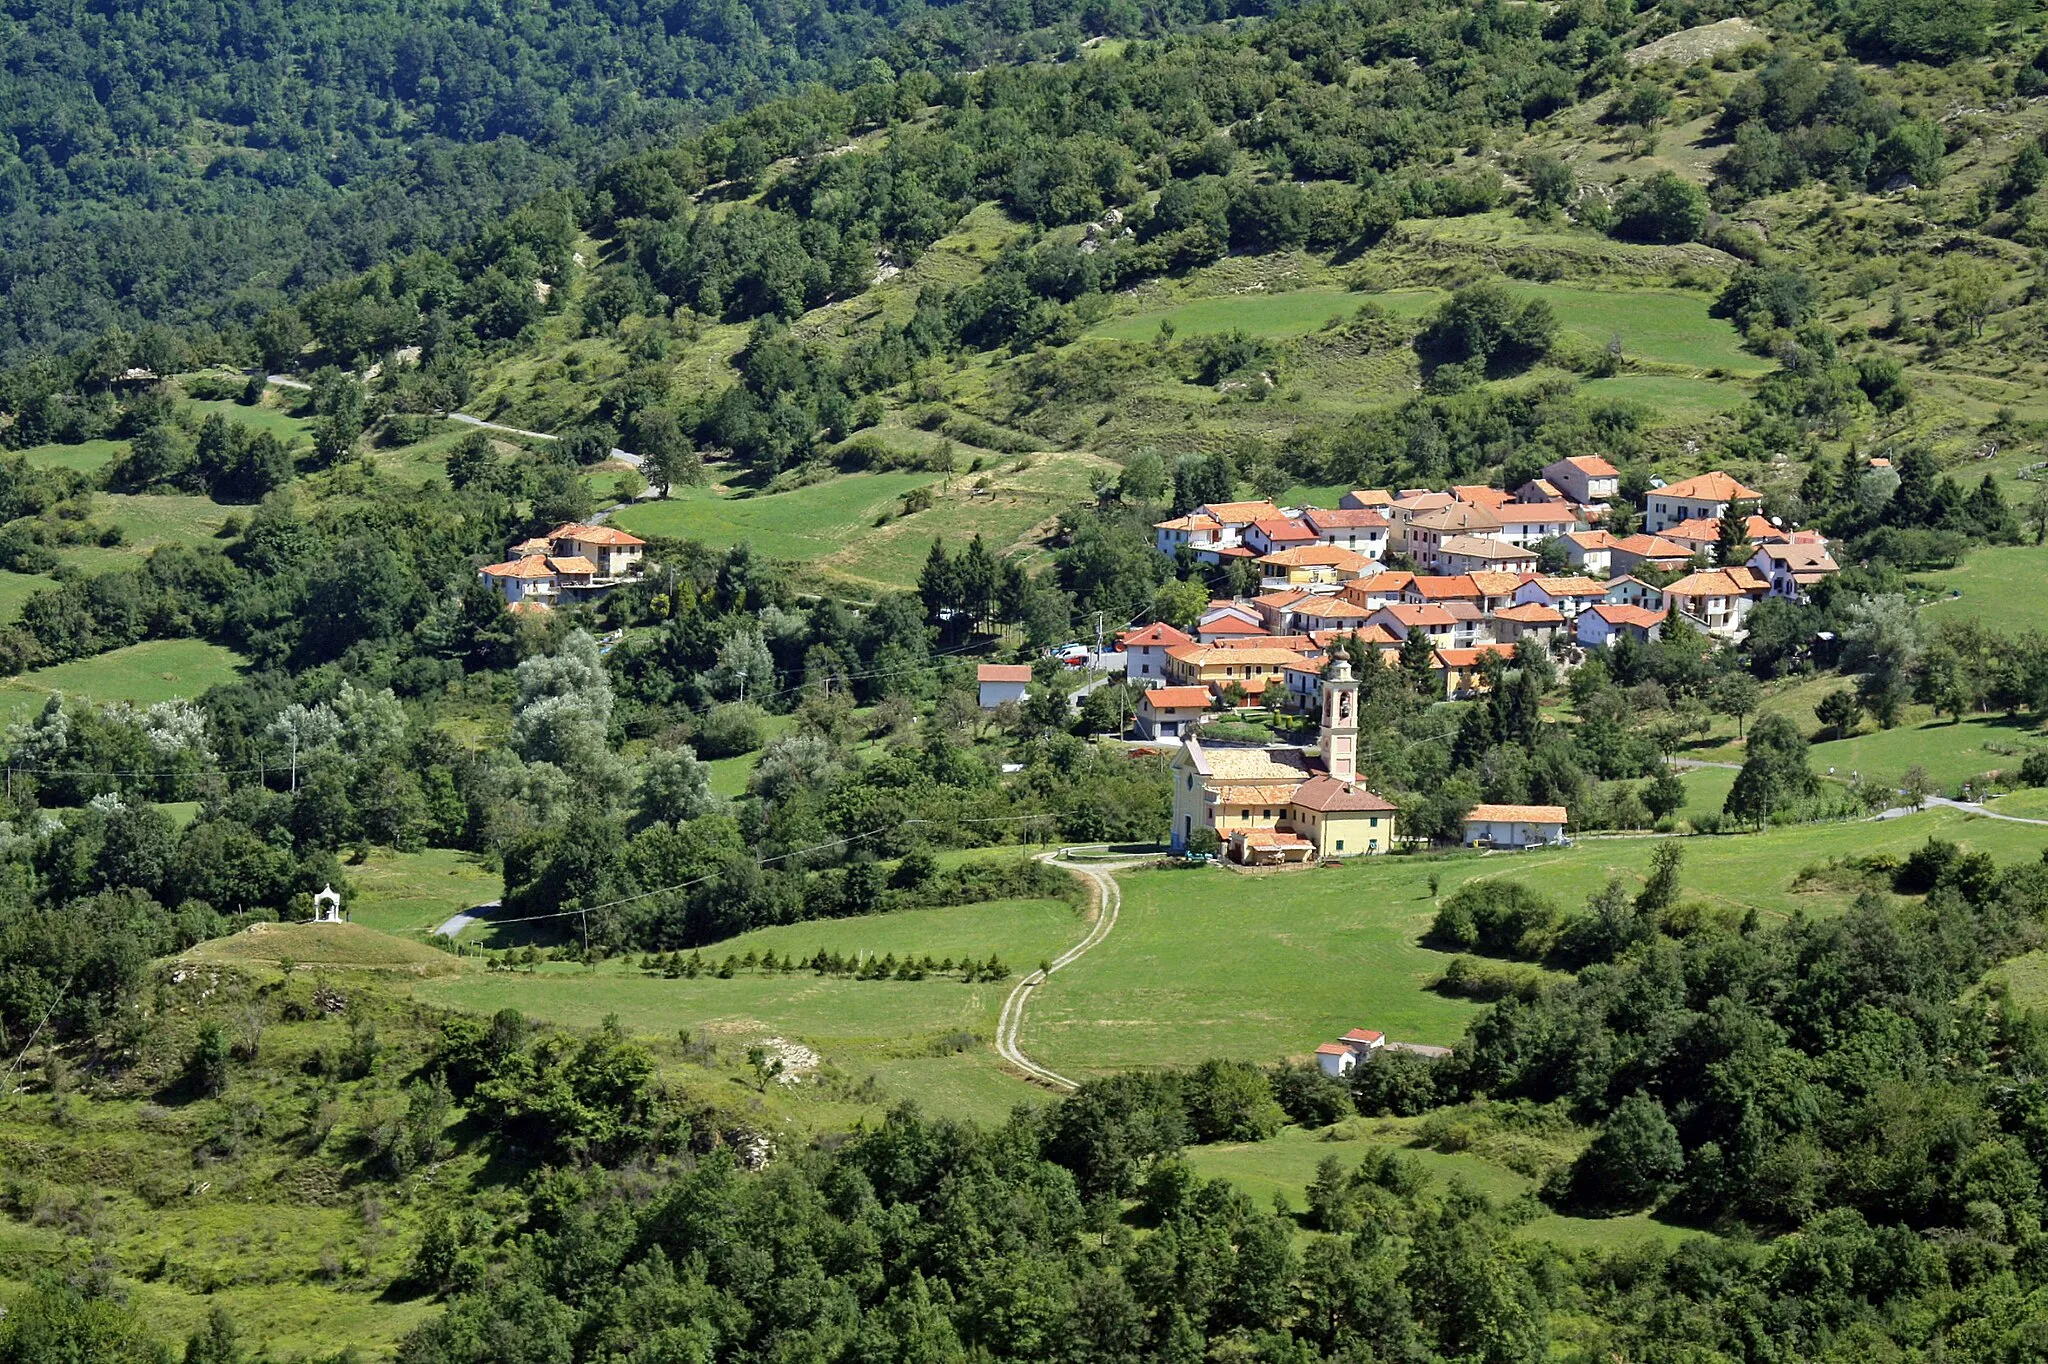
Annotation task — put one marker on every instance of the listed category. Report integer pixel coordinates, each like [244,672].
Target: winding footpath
[1109,898]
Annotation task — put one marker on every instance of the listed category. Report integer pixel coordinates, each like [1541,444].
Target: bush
[1230,1101]
[729,730]
[1661,208]
[1396,1084]
[1632,1162]
[1501,917]
[2034,769]
[1309,1097]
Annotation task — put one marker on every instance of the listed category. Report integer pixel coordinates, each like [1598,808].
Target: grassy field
[1216,963]
[1655,325]
[886,1028]
[1999,585]
[142,674]
[413,892]
[1659,326]
[17,588]
[1284,1164]
[270,416]
[87,456]
[2027,803]
[849,526]
[1295,313]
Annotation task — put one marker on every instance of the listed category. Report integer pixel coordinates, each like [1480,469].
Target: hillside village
[1455,585]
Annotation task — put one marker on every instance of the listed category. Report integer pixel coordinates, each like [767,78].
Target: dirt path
[1108,897]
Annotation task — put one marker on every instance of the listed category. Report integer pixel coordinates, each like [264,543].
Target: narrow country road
[1901,811]
[1108,897]
[473,915]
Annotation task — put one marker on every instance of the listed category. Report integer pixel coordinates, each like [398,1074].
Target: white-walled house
[1590,551]
[1145,653]
[1587,479]
[1792,569]
[1599,626]
[1359,529]
[1516,826]
[1171,712]
[1001,682]
[1705,497]
[1718,600]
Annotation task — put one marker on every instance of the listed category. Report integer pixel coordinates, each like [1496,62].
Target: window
[1340,845]
[1375,821]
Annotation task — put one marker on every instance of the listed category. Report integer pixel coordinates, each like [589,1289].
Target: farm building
[1516,826]
[1001,682]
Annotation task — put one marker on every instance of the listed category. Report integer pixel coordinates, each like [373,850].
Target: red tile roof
[1158,633]
[1326,794]
[1177,698]
[1003,672]
[1714,487]
[1520,814]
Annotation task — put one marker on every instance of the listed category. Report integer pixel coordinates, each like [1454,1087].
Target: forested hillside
[192,161]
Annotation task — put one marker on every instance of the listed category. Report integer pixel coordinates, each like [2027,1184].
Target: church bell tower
[1340,718]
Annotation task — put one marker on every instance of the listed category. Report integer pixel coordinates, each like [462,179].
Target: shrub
[1499,916]
[729,730]
[1661,208]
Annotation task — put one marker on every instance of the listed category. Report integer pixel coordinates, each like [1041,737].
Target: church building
[1285,804]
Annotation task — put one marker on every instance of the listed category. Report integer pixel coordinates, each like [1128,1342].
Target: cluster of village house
[570,563]
[1474,591]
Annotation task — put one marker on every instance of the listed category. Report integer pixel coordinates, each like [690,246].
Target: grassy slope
[347,945]
[156,670]
[413,892]
[1998,586]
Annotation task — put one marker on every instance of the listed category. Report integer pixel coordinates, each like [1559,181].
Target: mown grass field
[1294,313]
[142,674]
[2000,587]
[1217,963]
[17,588]
[891,1029]
[86,457]
[398,892]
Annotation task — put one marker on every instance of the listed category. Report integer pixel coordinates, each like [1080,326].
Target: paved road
[1967,807]
[1109,898]
[473,915]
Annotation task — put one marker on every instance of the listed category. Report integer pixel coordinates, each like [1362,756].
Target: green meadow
[1282,1166]
[1999,586]
[1221,963]
[415,892]
[1655,325]
[87,457]
[852,528]
[142,674]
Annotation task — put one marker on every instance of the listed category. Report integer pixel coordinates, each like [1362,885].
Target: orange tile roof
[1315,556]
[1330,608]
[594,535]
[1571,587]
[1177,698]
[1457,516]
[1530,613]
[1189,522]
[1497,584]
[1716,582]
[1590,539]
[1480,495]
[1364,1035]
[1003,672]
[1536,514]
[1651,547]
[1277,528]
[1413,614]
[1467,658]
[1712,487]
[1333,1049]
[1241,513]
[1157,633]
[1483,547]
[1440,588]
[1343,518]
[572,563]
[1617,613]
[526,566]
[1594,465]
[1269,838]
[1521,814]
[1231,625]
[1371,497]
